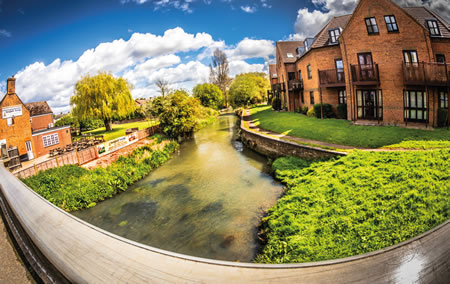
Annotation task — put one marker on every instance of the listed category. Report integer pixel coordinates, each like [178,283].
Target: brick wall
[64,136]
[41,122]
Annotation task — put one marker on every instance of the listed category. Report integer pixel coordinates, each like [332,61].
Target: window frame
[309,71]
[409,52]
[390,17]
[334,36]
[50,140]
[342,96]
[311,98]
[443,100]
[436,28]
[407,109]
[361,104]
[371,26]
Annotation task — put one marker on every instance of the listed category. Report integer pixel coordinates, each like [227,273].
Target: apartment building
[387,64]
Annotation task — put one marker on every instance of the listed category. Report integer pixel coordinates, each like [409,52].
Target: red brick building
[387,64]
[29,127]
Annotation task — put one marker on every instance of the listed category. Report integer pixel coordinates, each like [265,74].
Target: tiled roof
[421,14]
[38,108]
[323,38]
[285,47]
[141,102]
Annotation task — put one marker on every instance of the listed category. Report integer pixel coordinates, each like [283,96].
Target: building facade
[384,64]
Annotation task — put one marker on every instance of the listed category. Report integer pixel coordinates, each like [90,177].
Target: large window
[334,35]
[311,98]
[433,27]
[369,104]
[443,100]
[339,70]
[410,56]
[50,140]
[391,24]
[308,68]
[415,105]
[371,24]
[342,97]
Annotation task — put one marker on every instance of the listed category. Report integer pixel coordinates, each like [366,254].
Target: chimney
[11,86]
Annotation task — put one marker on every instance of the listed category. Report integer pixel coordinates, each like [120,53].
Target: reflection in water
[206,201]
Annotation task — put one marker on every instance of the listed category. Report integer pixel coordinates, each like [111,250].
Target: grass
[341,132]
[119,129]
[356,204]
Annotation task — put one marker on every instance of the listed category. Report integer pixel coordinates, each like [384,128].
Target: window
[308,68]
[290,55]
[311,98]
[410,56]
[415,105]
[291,76]
[391,24]
[334,35]
[369,104]
[339,70]
[342,97]
[440,58]
[10,121]
[443,100]
[433,27]
[371,24]
[300,75]
[50,140]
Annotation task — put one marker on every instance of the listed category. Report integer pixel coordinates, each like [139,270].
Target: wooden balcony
[426,73]
[295,85]
[365,74]
[331,78]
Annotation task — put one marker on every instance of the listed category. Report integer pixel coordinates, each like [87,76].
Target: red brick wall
[387,52]
[41,122]
[20,131]
[441,46]
[64,139]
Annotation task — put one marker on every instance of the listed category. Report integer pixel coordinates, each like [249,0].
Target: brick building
[29,127]
[387,64]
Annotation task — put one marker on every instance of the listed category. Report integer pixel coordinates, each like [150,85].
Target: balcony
[331,78]
[278,87]
[365,74]
[295,85]
[426,73]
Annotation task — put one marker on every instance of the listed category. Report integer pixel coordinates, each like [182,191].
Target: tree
[219,70]
[103,97]
[163,86]
[248,88]
[209,95]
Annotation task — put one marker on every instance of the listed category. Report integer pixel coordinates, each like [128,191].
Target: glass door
[365,66]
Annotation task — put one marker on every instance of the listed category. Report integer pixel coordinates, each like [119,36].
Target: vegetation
[442,117]
[180,115]
[209,95]
[420,145]
[357,204]
[219,70]
[72,187]
[340,131]
[327,111]
[87,124]
[249,88]
[163,86]
[102,97]
[119,129]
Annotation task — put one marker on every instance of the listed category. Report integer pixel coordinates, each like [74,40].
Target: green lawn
[119,129]
[360,203]
[339,131]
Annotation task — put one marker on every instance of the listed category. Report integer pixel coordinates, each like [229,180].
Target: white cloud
[5,33]
[248,9]
[2,88]
[141,59]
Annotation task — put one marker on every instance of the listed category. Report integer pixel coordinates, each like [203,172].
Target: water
[207,201]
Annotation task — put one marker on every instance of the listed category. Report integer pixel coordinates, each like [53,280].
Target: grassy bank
[72,187]
[339,131]
[360,203]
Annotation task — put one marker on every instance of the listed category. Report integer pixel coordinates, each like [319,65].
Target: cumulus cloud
[248,9]
[142,60]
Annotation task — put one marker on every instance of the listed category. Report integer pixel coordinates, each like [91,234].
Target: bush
[276,103]
[304,110]
[327,111]
[311,112]
[342,111]
[209,95]
[442,117]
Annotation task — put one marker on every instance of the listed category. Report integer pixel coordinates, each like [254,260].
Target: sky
[50,44]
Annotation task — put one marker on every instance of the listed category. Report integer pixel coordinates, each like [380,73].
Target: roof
[49,130]
[288,47]
[323,38]
[141,102]
[421,14]
[38,108]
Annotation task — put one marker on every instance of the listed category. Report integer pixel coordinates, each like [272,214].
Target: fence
[77,157]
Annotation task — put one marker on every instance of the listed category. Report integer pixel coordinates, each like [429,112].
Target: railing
[430,73]
[331,78]
[365,74]
[295,84]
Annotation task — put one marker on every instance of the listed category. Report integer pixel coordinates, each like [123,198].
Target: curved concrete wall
[86,254]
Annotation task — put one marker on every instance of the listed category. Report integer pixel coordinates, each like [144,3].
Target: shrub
[304,110]
[342,111]
[327,110]
[442,117]
[311,112]
[276,103]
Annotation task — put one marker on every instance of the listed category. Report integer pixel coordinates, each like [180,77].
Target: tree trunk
[108,125]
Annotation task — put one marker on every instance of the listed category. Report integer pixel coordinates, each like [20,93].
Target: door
[412,65]
[29,150]
[339,71]
[369,104]
[365,66]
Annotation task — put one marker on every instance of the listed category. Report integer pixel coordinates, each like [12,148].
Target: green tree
[209,95]
[249,88]
[103,97]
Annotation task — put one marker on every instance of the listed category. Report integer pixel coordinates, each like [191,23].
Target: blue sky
[50,44]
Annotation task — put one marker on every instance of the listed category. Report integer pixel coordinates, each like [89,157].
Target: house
[29,127]
[383,63]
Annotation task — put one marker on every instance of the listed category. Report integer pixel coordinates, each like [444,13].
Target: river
[207,201]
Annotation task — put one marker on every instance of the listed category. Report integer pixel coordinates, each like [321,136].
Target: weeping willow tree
[103,97]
